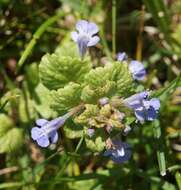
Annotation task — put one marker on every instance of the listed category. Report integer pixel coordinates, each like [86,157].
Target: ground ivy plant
[103,101]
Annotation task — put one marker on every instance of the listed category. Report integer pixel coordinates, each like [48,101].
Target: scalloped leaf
[43,101]
[11,138]
[92,95]
[98,85]
[97,142]
[73,131]
[57,70]
[121,75]
[26,109]
[65,98]
[113,79]
[64,49]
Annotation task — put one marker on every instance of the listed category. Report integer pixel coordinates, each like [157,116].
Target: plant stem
[61,171]
[139,38]
[35,38]
[114,27]
[104,43]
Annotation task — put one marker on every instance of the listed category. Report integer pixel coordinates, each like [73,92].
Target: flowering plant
[100,100]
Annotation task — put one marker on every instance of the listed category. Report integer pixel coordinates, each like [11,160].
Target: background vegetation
[149,31]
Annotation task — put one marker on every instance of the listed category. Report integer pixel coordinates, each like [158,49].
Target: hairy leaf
[43,101]
[123,78]
[73,131]
[57,70]
[65,98]
[97,142]
[11,138]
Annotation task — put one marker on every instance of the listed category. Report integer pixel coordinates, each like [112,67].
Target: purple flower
[90,132]
[144,108]
[46,132]
[120,152]
[122,56]
[85,37]
[137,70]
[104,101]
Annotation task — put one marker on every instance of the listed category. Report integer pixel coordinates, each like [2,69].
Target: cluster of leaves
[73,81]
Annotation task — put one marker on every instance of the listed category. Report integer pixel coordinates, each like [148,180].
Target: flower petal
[93,41]
[92,28]
[36,133]
[140,75]
[82,45]
[90,132]
[41,122]
[121,56]
[82,26]
[74,36]
[43,141]
[53,137]
[140,115]
[137,69]
[155,103]
[151,114]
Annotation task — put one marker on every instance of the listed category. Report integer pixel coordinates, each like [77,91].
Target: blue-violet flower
[85,37]
[46,132]
[120,152]
[122,56]
[90,132]
[144,108]
[137,70]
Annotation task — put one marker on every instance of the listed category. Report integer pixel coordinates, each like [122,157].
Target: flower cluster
[109,112]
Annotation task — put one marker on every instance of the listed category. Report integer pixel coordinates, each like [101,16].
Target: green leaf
[165,92]
[11,138]
[98,85]
[73,131]
[97,142]
[90,111]
[113,79]
[67,48]
[65,98]
[57,70]
[178,179]
[92,95]
[160,150]
[32,75]
[9,185]
[43,102]
[163,22]
[5,124]
[26,108]
[9,98]
[98,76]
[121,75]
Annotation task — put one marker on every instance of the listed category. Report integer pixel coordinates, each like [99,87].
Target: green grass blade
[178,179]
[160,152]
[36,36]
